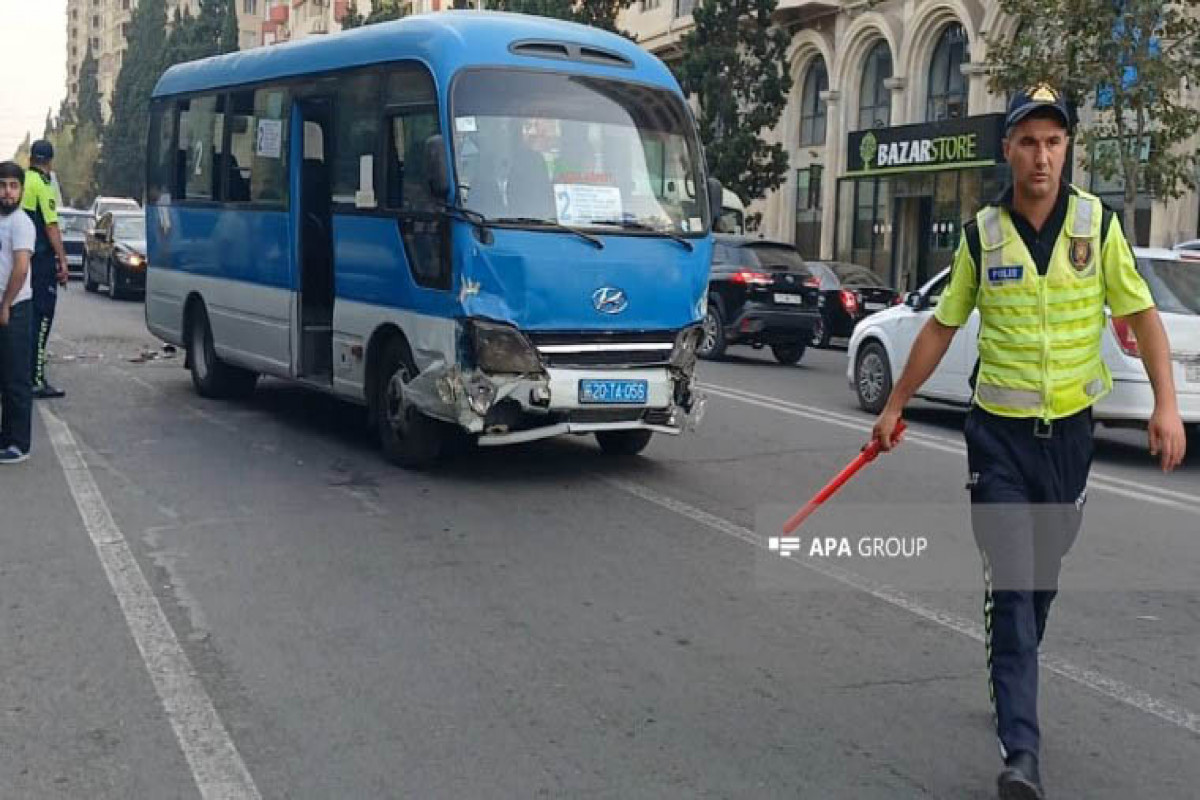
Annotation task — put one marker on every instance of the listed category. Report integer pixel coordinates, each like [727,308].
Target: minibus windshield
[576,150]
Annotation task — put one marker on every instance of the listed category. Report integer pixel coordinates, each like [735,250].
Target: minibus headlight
[502,349]
[683,355]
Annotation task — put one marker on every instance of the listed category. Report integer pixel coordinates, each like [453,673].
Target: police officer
[49,258]
[1040,264]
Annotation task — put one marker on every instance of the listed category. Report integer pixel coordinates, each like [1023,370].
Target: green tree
[597,13]
[1131,61]
[121,169]
[229,29]
[49,128]
[21,156]
[76,147]
[735,65]
[88,108]
[381,11]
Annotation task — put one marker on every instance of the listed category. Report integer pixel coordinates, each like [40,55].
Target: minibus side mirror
[915,301]
[715,193]
[436,167]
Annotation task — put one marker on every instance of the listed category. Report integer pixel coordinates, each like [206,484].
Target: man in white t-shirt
[18,237]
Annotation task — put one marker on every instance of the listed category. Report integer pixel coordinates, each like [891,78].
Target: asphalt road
[219,599]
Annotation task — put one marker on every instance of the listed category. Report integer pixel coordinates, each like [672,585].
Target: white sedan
[881,343]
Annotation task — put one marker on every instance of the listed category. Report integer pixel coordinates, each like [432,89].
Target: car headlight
[498,348]
[683,355]
[132,259]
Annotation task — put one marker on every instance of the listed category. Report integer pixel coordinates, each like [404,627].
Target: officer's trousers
[1028,487]
[45,301]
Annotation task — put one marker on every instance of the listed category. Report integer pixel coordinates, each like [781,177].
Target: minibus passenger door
[315,241]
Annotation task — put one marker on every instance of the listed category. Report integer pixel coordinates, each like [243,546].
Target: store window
[871,244]
[874,99]
[947,97]
[808,211]
[812,107]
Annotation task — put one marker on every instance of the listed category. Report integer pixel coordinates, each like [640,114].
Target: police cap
[41,150]
[1037,98]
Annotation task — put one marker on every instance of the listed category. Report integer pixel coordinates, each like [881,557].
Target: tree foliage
[88,103]
[76,148]
[1132,62]
[735,65]
[597,13]
[381,11]
[228,41]
[121,170]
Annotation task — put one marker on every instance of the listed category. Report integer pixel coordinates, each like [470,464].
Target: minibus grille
[611,350]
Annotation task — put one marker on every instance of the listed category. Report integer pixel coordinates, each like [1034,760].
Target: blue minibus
[478,225]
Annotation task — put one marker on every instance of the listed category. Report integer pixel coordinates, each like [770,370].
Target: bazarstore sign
[953,144]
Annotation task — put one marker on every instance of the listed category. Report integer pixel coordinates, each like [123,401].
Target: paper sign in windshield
[580,204]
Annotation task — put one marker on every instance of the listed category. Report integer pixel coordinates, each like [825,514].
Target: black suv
[760,293]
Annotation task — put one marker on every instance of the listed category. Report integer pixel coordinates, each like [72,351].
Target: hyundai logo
[609,300]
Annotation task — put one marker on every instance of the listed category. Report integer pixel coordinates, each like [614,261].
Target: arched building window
[947,98]
[812,107]
[874,99]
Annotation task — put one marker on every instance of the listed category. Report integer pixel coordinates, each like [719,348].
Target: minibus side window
[158,157]
[201,128]
[355,134]
[255,168]
[411,118]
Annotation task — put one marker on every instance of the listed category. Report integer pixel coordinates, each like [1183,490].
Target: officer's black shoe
[1019,780]
[48,391]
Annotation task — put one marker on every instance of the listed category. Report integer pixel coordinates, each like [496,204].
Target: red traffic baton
[868,454]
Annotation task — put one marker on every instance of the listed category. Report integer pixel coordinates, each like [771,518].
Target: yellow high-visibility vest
[1040,336]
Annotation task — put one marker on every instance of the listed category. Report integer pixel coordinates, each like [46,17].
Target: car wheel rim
[870,377]
[199,353]
[710,333]
[394,405]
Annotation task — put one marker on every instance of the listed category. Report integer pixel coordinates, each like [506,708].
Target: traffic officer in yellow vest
[1040,264]
[49,267]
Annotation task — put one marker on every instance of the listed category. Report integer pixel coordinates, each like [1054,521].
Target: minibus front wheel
[211,376]
[408,437]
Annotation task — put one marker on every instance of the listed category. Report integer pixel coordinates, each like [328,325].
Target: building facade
[893,136]
[295,19]
[105,25]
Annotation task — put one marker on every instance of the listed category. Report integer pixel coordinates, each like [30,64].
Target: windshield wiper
[550,225]
[631,225]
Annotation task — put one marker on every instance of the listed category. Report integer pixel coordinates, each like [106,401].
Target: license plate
[790,299]
[624,392]
[1191,373]
[874,306]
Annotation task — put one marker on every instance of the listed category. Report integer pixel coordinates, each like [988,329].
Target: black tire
[713,343]
[407,437]
[113,292]
[872,377]
[89,285]
[789,354]
[820,334]
[623,443]
[211,376]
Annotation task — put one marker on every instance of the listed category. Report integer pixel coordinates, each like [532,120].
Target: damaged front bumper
[512,409]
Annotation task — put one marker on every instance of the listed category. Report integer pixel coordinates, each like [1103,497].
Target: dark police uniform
[39,202]
[1041,297]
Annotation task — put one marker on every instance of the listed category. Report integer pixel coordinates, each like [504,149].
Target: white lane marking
[217,767]
[1090,679]
[1100,480]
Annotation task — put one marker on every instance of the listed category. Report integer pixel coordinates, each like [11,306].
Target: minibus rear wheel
[211,376]
[623,443]
[408,437]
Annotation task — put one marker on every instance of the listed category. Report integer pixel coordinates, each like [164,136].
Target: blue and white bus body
[513,331]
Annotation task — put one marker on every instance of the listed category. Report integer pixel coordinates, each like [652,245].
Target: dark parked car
[74,226]
[116,254]
[761,294]
[848,293]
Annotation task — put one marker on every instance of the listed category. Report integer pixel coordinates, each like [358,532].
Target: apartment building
[295,19]
[105,25]
[892,72]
